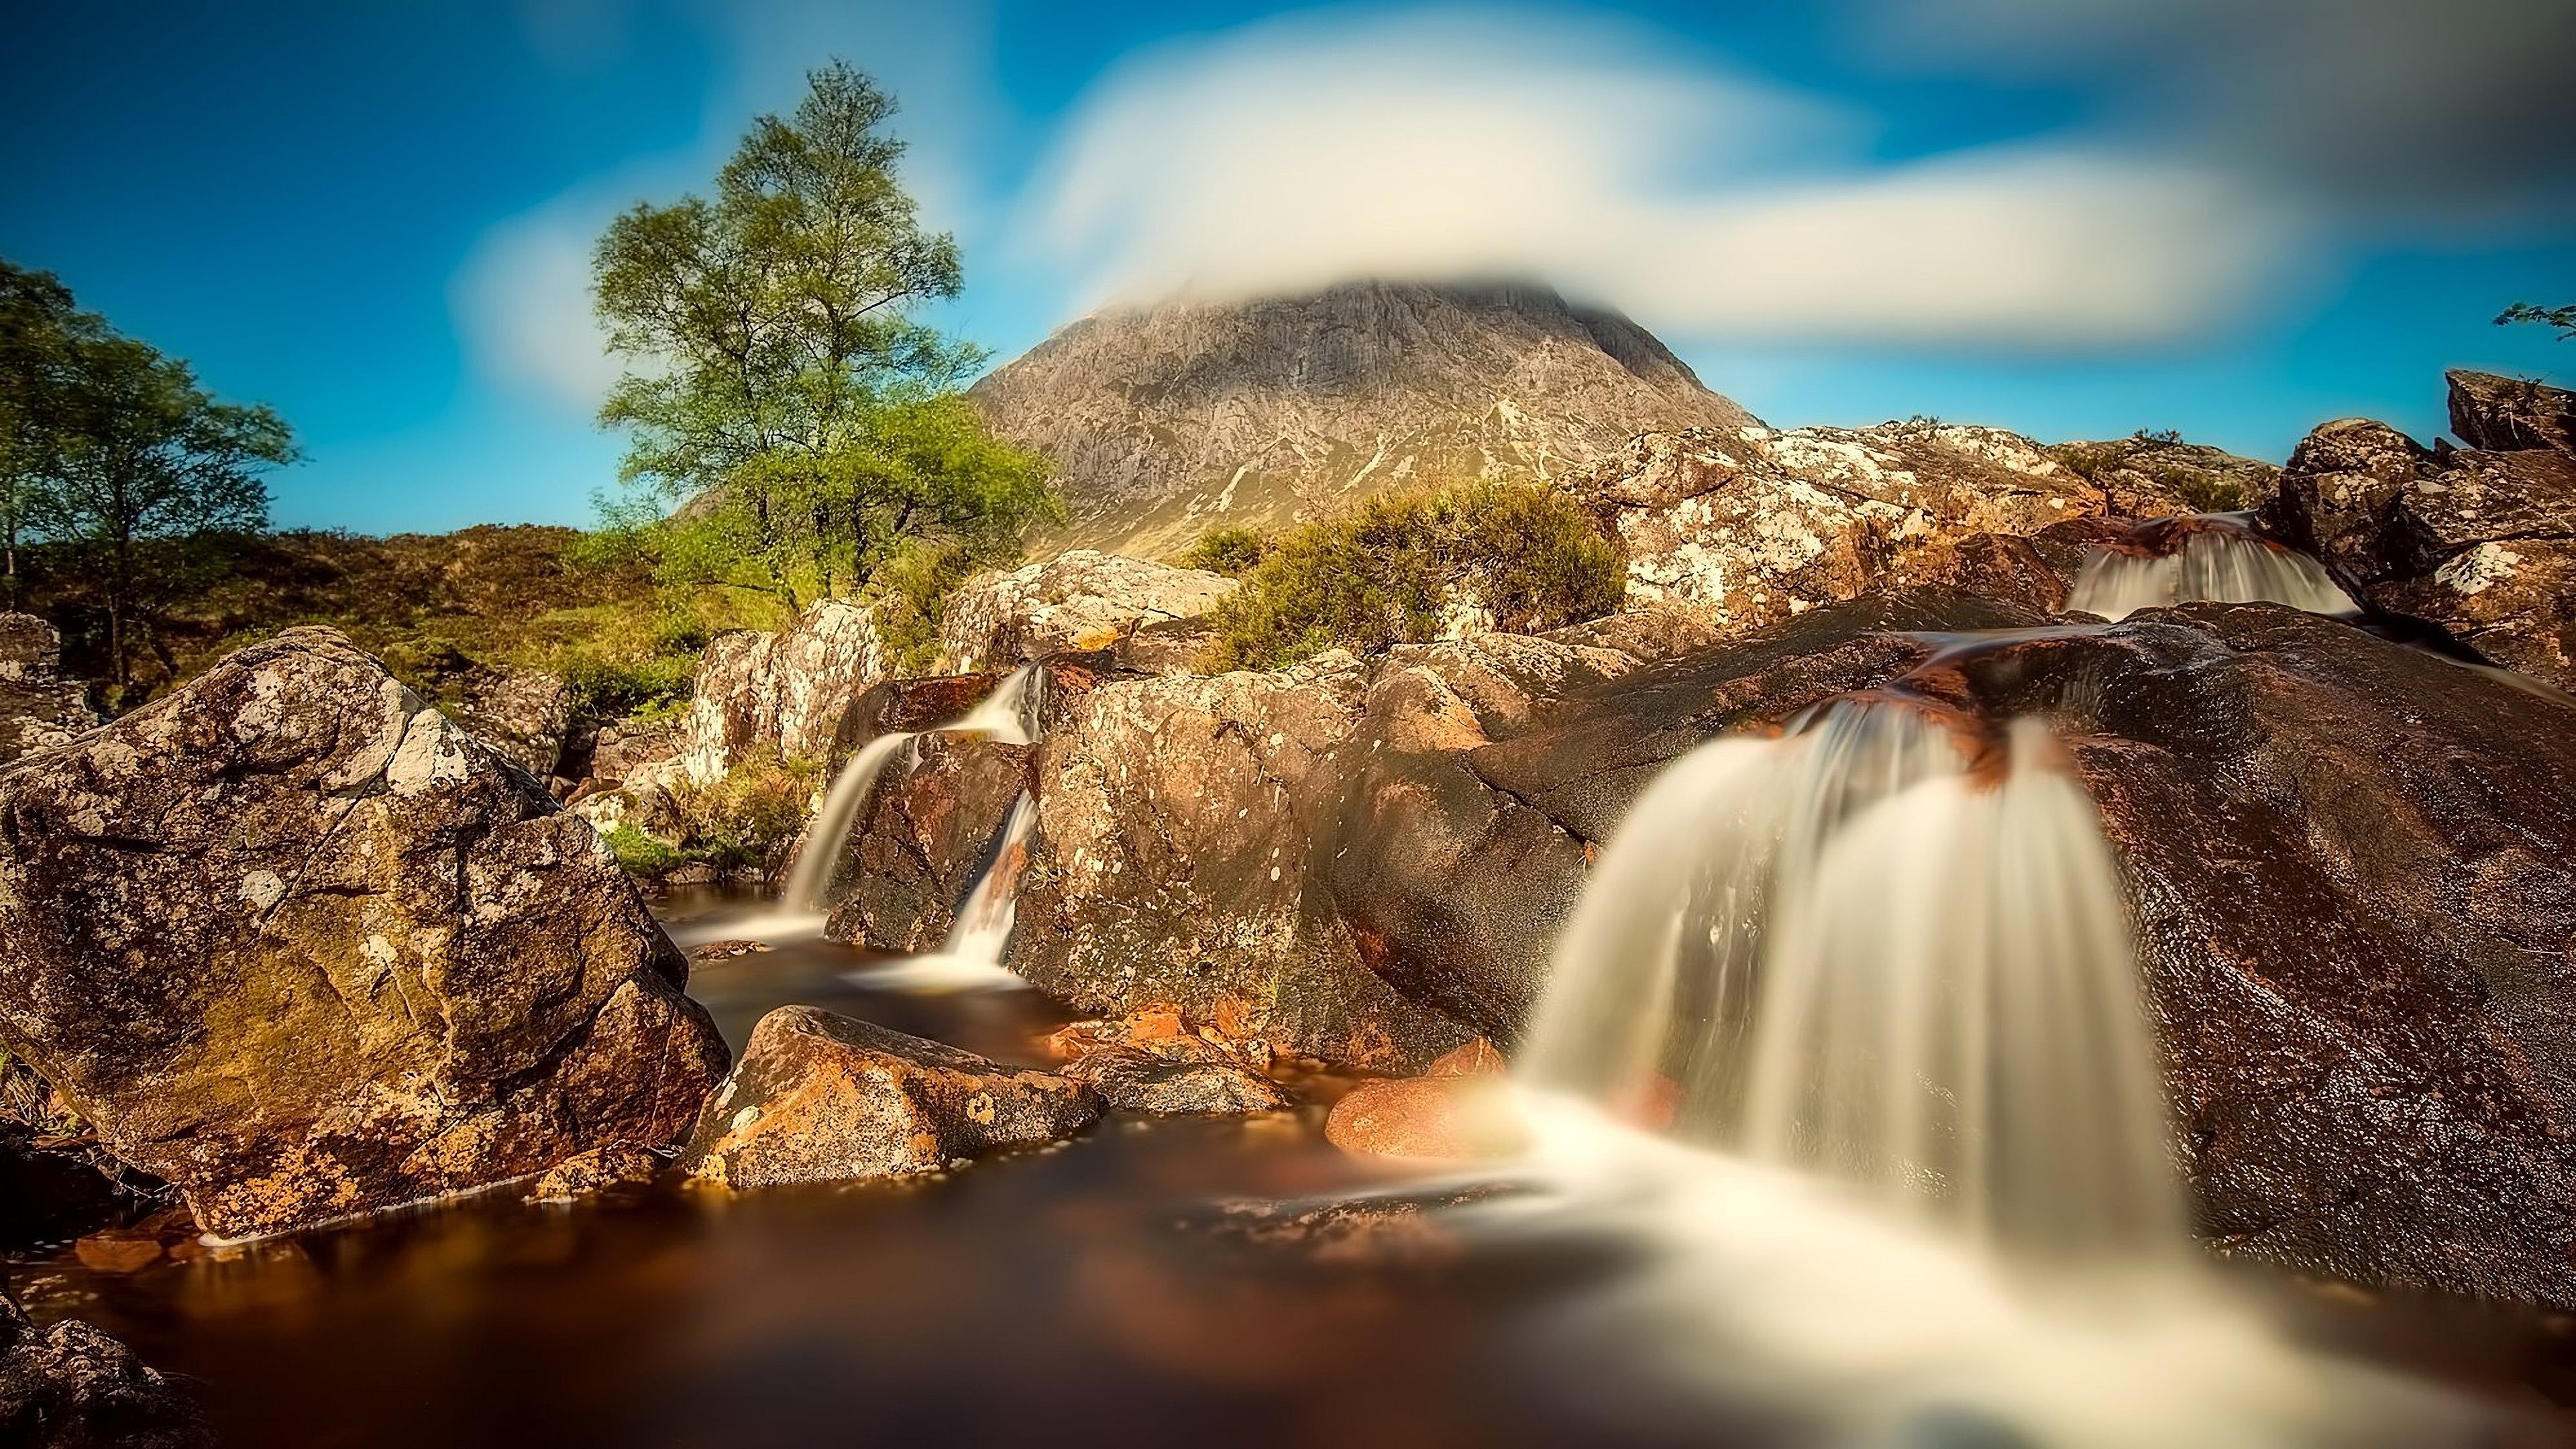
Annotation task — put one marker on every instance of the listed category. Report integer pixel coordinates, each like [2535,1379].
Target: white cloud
[1295,153]
[522,304]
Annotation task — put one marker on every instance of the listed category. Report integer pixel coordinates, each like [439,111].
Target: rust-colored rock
[820,1097]
[298,944]
[600,1170]
[1446,1118]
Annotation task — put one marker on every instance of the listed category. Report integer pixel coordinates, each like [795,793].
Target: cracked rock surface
[297,943]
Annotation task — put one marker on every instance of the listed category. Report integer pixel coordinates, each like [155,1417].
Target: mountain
[1165,422]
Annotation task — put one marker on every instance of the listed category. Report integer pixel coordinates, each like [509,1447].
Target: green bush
[749,821]
[1390,572]
[606,688]
[639,854]
[1232,552]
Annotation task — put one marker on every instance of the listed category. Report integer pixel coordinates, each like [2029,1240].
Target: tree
[39,327]
[2562,318]
[149,476]
[781,391]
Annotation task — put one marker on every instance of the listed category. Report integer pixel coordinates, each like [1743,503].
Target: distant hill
[1168,421]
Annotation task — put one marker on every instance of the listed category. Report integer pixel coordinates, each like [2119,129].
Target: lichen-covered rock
[73,1387]
[2480,544]
[1078,601]
[819,1097]
[1751,527]
[780,694]
[600,1170]
[38,707]
[523,714]
[1154,1061]
[2149,475]
[300,945]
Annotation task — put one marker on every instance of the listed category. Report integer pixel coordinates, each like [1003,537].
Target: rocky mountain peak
[1167,421]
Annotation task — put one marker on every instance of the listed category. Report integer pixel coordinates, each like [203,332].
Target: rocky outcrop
[523,714]
[1750,527]
[779,694]
[1079,601]
[2510,414]
[39,709]
[2157,475]
[2479,543]
[73,1387]
[1168,422]
[820,1097]
[1155,1062]
[300,945]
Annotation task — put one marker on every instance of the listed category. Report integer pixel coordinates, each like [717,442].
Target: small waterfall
[971,958]
[2215,556]
[1008,715]
[1889,948]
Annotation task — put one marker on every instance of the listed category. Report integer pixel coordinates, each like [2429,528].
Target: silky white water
[2209,556]
[971,958]
[1846,1038]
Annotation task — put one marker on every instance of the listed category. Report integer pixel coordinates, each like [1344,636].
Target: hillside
[1165,422]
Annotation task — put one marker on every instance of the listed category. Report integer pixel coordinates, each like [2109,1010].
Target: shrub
[639,854]
[2206,492]
[749,821]
[1395,569]
[1229,551]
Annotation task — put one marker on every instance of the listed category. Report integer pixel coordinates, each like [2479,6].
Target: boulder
[819,1097]
[2152,475]
[1155,1062]
[780,694]
[73,1387]
[1751,527]
[600,1170]
[1448,1118]
[1079,600]
[39,709]
[298,944]
[2478,544]
[2511,414]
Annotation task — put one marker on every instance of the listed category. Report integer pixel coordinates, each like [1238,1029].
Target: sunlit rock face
[779,694]
[38,707]
[523,714]
[820,1097]
[2480,543]
[296,942]
[1168,422]
[1079,600]
[1749,527]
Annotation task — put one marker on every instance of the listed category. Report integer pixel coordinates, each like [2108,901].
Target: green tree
[39,328]
[151,476]
[781,390]
[2562,318]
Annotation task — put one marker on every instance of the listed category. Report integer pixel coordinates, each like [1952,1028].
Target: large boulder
[38,707]
[300,945]
[1078,601]
[1750,527]
[780,694]
[522,714]
[820,1097]
[73,1387]
[2480,544]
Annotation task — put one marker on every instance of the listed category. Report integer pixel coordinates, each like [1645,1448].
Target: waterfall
[1888,948]
[983,926]
[2214,556]
[1007,715]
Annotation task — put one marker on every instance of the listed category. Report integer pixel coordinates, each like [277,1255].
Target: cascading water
[971,958]
[1846,1037]
[2215,556]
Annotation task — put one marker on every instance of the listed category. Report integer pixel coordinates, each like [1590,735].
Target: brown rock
[1476,1059]
[727,950]
[38,707]
[2508,414]
[1077,601]
[1133,1080]
[820,1097]
[600,1170]
[1447,1118]
[780,695]
[299,945]
[73,1387]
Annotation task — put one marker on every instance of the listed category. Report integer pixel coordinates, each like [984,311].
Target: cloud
[522,304]
[1294,153]
[2392,111]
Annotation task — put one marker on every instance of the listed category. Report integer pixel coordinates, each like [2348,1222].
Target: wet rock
[1410,1230]
[921,839]
[1477,1058]
[2511,414]
[1079,600]
[2480,545]
[820,1097]
[1444,1118]
[39,709]
[780,694]
[298,944]
[1752,527]
[1155,1061]
[2348,859]
[727,950]
[1185,825]
[73,1387]
[600,1170]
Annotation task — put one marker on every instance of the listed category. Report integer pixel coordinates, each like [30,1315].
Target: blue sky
[2070,217]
